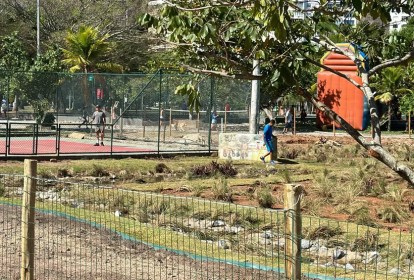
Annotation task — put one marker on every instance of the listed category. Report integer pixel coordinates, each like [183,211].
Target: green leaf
[275,76]
[357,5]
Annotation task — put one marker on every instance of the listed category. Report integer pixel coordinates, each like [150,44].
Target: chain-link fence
[142,110]
[98,232]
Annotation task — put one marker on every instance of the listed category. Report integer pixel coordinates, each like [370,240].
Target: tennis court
[27,146]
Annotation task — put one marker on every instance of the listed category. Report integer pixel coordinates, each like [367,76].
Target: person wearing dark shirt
[267,139]
[99,121]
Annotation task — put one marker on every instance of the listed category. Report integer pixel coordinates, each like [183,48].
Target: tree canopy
[224,37]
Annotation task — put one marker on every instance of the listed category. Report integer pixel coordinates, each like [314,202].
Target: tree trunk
[374,149]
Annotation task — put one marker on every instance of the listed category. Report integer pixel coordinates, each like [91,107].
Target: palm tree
[389,87]
[86,52]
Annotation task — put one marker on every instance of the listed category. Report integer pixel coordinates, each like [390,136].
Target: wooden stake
[293,231]
[409,125]
[28,220]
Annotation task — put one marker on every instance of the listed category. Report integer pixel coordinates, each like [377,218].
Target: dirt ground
[65,249]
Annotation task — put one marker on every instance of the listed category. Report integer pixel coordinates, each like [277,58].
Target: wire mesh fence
[97,231]
[141,109]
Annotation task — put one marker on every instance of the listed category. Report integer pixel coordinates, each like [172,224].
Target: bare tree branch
[392,62]
[340,74]
[221,4]
[243,76]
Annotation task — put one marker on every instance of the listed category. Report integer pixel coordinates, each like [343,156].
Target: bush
[213,168]
[221,191]
[48,119]
[265,198]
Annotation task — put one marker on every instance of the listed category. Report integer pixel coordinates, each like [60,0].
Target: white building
[398,20]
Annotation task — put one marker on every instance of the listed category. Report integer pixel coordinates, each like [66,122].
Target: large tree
[87,51]
[223,37]
[116,18]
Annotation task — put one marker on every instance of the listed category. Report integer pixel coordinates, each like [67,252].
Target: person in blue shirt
[214,118]
[267,139]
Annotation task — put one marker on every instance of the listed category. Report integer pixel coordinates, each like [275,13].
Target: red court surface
[48,146]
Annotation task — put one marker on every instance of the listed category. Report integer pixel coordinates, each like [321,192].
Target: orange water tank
[339,94]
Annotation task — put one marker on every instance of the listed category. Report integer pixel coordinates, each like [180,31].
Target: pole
[121,125]
[225,120]
[198,122]
[293,231]
[254,102]
[409,125]
[170,120]
[38,27]
[294,121]
[28,217]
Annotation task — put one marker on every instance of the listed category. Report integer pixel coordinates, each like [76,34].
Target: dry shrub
[393,214]
[162,168]
[361,216]
[367,242]
[213,168]
[265,197]
[221,191]
[98,171]
[324,232]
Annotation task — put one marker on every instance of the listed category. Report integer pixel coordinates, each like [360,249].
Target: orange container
[341,95]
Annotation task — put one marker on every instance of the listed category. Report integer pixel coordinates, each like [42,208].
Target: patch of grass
[392,214]
[99,171]
[395,193]
[198,189]
[226,169]
[361,216]
[264,197]
[221,190]
[325,185]
[366,242]
[286,175]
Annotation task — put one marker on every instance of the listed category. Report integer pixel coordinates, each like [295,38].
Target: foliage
[223,38]
[86,50]
[48,119]
[58,16]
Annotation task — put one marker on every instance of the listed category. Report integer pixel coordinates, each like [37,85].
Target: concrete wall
[241,146]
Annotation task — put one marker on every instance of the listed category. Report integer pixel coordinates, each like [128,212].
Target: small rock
[349,266]
[305,244]
[395,271]
[267,234]
[218,223]
[118,213]
[223,244]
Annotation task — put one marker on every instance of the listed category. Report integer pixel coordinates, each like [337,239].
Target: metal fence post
[28,216]
[293,231]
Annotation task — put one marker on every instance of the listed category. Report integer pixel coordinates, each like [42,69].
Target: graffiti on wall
[237,146]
